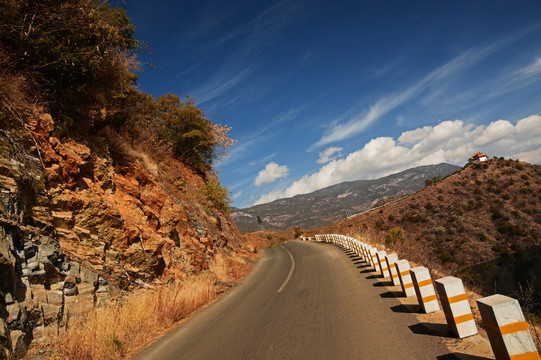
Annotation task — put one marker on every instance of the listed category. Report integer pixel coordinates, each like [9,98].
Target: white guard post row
[503,319]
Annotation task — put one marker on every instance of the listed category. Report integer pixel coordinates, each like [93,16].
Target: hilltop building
[479,156]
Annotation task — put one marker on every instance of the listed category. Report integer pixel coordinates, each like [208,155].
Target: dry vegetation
[124,326]
[121,327]
[263,239]
[485,211]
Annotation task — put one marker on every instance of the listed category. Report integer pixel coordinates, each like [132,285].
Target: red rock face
[121,202]
[100,217]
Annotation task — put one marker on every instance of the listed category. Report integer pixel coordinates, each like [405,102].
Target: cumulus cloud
[450,141]
[271,173]
[327,155]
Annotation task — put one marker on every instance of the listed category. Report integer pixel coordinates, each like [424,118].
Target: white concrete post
[374,257]
[456,306]
[424,289]
[506,328]
[368,254]
[361,251]
[383,269]
[391,260]
[403,269]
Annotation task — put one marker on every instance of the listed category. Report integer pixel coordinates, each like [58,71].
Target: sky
[321,92]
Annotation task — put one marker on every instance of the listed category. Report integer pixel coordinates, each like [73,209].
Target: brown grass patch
[229,269]
[116,330]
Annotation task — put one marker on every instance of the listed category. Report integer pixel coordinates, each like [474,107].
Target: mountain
[335,202]
[484,212]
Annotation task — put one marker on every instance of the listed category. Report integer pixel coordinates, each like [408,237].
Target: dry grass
[115,331]
[126,325]
[229,269]
[485,211]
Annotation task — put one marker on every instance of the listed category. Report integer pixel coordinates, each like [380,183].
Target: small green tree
[188,130]
[395,235]
[218,194]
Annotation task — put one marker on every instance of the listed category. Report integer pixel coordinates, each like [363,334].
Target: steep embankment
[81,223]
[335,202]
[486,210]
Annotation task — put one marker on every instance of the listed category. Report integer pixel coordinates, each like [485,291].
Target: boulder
[50,313]
[19,343]
[55,297]
[5,339]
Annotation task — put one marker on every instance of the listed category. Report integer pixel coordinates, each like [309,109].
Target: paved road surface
[303,301]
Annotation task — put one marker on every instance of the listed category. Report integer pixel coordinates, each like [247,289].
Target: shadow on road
[372,276]
[403,308]
[425,328]
[460,356]
[383,283]
[392,294]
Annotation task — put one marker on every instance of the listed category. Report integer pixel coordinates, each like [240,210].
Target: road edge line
[290,271]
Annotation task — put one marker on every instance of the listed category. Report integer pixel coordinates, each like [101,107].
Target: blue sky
[321,92]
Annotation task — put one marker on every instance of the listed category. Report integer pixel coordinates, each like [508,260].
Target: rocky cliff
[81,222]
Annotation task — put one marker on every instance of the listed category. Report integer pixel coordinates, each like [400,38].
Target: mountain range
[336,202]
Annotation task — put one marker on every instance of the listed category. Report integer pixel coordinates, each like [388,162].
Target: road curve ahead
[303,301]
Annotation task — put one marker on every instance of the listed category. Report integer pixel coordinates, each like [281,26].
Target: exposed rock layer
[80,223]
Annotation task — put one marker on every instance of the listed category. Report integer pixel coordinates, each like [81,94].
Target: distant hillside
[486,210]
[335,202]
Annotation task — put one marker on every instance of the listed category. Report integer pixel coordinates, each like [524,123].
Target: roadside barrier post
[391,260]
[456,306]
[424,289]
[374,257]
[403,269]
[383,268]
[506,328]
[369,254]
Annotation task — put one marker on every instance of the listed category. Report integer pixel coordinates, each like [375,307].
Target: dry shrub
[114,331]
[229,268]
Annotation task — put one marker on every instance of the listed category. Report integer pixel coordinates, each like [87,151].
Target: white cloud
[271,173]
[432,84]
[236,195]
[533,68]
[450,141]
[327,155]
[253,38]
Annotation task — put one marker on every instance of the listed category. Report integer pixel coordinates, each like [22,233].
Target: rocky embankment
[81,223]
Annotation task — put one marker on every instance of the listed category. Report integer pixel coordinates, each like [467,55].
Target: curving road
[302,301]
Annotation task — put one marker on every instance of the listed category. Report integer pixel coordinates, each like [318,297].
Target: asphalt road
[302,301]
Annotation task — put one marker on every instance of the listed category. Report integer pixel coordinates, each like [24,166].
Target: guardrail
[502,316]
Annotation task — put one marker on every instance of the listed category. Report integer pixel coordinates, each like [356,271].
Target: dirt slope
[486,210]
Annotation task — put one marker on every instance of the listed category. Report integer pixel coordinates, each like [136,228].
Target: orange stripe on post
[507,329]
[429,298]
[534,355]
[514,327]
[463,318]
[454,299]
[408,285]
[395,276]
[404,273]
[425,282]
